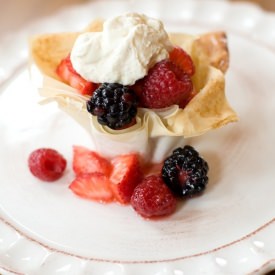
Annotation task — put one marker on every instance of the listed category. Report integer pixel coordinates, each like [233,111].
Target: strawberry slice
[87,161]
[126,175]
[68,74]
[183,60]
[94,186]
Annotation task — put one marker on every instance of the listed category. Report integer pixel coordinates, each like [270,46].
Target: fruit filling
[167,83]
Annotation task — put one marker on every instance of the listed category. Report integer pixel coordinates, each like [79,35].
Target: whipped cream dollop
[123,52]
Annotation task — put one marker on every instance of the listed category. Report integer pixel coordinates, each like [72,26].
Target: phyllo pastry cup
[157,131]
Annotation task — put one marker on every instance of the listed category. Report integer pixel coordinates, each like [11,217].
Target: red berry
[87,161]
[93,186]
[165,85]
[68,74]
[47,164]
[183,60]
[126,175]
[152,198]
[184,102]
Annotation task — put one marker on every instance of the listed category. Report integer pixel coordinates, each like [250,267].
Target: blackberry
[185,172]
[114,105]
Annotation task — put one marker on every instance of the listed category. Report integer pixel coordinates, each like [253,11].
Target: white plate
[45,229]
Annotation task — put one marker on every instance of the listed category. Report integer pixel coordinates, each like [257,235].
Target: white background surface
[16,13]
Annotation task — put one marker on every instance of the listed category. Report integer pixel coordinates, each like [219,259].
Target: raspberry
[152,198]
[165,85]
[94,186]
[188,99]
[87,161]
[185,172]
[114,105]
[47,164]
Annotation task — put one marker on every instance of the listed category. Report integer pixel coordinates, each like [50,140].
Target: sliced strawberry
[87,161]
[93,186]
[126,175]
[183,60]
[68,74]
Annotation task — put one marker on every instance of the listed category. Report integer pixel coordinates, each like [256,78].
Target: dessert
[156,131]
[139,92]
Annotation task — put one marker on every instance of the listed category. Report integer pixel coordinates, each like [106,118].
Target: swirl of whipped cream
[123,52]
